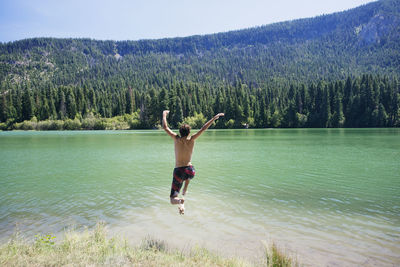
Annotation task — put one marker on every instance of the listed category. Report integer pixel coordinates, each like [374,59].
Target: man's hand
[206,125]
[165,124]
[219,115]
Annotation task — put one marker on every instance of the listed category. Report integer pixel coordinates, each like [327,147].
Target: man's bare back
[184,170]
[183,151]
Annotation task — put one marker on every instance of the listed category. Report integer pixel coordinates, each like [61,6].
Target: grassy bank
[95,122]
[94,248]
[89,122]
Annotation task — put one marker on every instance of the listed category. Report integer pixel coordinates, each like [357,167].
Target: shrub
[99,125]
[251,122]
[44,125]
[276,258]
[56,125]
[150,243]
[121,125]
[108,125]
[230,124]
[117,123]
[25,125]
[196,121]
[88,123]
[50,125]
[72,124]
[276,119]
[302,119]
[134,124]
[133,120]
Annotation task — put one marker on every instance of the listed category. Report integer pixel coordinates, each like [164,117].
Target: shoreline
[125,122]
[96,247]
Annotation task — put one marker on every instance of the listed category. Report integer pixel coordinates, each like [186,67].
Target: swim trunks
[181,174]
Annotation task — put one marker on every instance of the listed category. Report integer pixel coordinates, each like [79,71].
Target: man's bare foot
[181,209]
[181,206]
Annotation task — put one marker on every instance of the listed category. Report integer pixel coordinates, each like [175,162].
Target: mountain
[364,39]
[263,62]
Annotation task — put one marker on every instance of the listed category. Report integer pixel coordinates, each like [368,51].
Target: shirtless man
[184,170]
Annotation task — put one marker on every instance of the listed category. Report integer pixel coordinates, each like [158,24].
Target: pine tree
[71,104]
[44,110]
[394,104]
[382,116]
[51,101]
[262,120]
[246,107]
[80,100]
[92,101]
[27,105]
[326,110]
[347,94]
[129,101]
[3,108]
[178,115]
[62,110]
[145,111]
[337,117]
[240,119]
[290,119]
[11,111]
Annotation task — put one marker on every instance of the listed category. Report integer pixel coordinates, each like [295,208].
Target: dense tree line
[367,101]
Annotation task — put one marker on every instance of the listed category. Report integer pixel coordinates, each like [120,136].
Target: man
[184,170]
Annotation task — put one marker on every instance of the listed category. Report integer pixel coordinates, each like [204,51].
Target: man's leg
[175,189]
[180,202]
[185,187]
[176,200]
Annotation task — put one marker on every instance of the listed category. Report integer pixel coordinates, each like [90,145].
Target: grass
[94,248]
[274,257]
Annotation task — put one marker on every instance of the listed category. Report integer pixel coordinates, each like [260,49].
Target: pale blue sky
[150,19]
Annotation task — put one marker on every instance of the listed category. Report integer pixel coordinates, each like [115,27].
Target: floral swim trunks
[181,174]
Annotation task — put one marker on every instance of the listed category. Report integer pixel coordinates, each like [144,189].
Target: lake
[327,196]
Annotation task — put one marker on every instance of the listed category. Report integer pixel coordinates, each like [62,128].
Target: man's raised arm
[206,125]
[165,124]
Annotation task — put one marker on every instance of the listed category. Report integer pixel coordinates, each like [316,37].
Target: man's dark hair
[184,130]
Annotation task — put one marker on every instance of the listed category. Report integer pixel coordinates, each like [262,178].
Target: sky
[150,19]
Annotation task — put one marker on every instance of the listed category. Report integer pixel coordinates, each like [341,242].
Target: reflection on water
[331,196]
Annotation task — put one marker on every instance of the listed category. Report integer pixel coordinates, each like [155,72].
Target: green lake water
[327,196]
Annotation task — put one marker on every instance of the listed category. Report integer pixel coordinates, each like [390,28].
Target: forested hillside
[338,70]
